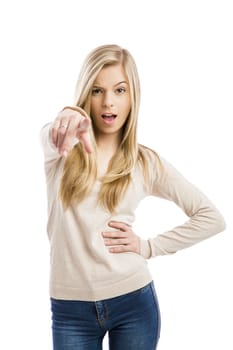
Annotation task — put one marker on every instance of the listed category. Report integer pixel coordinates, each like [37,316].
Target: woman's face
[110,101]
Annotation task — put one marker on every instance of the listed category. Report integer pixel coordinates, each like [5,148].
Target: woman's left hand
[121,240]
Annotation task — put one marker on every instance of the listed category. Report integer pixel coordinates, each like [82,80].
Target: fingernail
[65,153]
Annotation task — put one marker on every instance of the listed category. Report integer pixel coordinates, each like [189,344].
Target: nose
[108,100]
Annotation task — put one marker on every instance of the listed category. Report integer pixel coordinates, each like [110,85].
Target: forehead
[111,75]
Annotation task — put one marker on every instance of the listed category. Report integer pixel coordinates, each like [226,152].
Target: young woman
[96,175]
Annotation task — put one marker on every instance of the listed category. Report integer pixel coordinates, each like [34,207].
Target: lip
[108,118]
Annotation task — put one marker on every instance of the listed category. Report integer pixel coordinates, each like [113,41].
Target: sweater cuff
[145,250]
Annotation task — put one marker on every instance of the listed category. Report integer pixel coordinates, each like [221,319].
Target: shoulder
[151,164]
[160,172]
[157,161]
[151,156]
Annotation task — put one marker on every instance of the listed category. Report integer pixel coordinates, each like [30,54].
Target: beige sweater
[82,268]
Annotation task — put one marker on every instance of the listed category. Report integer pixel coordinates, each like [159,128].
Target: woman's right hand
[71,123]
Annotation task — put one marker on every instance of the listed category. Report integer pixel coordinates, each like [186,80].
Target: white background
[183,50]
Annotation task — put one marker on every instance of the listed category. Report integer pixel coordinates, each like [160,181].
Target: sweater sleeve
[52,159]
[204,219]
[50,151]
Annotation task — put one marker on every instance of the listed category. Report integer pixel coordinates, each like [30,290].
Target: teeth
[110,116]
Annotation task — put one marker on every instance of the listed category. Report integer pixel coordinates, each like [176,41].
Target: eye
[120,90]
[96,91]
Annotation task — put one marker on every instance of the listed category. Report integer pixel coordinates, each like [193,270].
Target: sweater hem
[128,285]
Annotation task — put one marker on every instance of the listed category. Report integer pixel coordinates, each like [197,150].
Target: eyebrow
[121,82]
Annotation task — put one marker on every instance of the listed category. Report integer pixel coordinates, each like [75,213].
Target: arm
[49,149]
[204,218]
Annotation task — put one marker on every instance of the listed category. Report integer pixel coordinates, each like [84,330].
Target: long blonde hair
[80,168]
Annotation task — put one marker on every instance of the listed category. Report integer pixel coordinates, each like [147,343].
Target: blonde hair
[80,168]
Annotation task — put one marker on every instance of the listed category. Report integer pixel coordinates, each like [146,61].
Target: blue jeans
[131,320]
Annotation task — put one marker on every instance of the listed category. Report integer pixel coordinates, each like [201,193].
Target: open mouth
[108,116]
